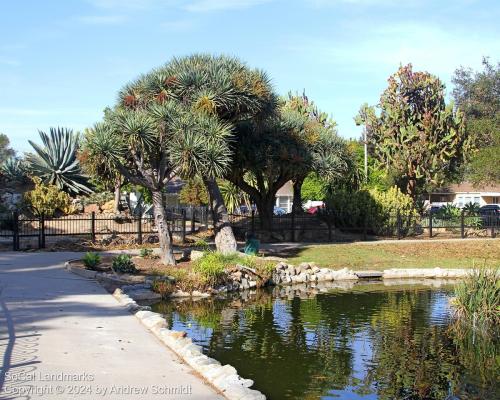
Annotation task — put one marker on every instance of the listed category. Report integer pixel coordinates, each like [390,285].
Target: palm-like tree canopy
[56,162]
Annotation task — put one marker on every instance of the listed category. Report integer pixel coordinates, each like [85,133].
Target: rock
[196,255]
[143,294]
[177,334]
[315,269]
[237,276]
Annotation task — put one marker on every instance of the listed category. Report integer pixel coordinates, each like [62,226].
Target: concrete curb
[223,377]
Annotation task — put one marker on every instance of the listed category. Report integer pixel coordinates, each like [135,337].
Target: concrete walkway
[63,337]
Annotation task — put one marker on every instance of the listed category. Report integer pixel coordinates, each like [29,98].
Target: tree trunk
[225,241]
[118,186]
[411,187]
[265,207]
[297,195]
[167,253]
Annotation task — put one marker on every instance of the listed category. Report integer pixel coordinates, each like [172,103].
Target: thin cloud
[385,48]
[220,5]
[131,4]
[102,19]
[182,25]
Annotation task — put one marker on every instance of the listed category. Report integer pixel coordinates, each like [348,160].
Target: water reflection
[369,341]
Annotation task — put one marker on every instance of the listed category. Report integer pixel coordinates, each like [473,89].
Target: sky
[63,61]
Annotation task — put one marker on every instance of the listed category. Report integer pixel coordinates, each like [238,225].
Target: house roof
[286,189]
[467,187]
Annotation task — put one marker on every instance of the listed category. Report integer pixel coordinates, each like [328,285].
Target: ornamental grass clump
[212,267]
[477,298]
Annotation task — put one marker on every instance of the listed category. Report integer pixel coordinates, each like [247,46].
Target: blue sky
[63,61]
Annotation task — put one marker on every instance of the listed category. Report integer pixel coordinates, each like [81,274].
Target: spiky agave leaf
[56,161]
[13,170]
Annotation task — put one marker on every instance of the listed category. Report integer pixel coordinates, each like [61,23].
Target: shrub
[47,199]
[377,209]
[99,198]
[194,193]
[477,298]
[202,244]
[123,264]
[91,260]
[146,253]
[162,287]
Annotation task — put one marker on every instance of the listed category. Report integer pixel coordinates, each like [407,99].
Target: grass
[477,298]
[456,254]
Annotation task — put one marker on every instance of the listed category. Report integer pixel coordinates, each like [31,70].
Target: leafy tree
[6,151]
[56,163]
[288,145]
[415,135]
[378,177]
[217,86]
[152,141]
[478,95]
[194,193]
[314,187]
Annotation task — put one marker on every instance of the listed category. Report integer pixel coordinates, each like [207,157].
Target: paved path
[53,323]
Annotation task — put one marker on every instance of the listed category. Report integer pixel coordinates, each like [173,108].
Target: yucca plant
[13,170]
[56,163]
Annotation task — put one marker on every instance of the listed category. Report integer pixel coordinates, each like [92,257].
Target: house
[463,193]
[284,197]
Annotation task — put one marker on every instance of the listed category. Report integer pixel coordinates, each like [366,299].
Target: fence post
[139,229]
[15,230]
[253,222]
[430,222]
[92,226]
[494,221]
[183,213]
[193,219]
[293,225]
[398,224]
[41,231]
[462,224]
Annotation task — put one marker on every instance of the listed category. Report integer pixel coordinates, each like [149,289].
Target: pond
[367,341]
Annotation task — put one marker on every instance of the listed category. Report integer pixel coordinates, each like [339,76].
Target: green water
[366,342]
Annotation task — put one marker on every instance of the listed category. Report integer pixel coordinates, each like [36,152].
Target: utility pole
[365,141]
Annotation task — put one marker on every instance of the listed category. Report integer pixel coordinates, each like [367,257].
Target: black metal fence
[326,226]
[93,226]
[323,226]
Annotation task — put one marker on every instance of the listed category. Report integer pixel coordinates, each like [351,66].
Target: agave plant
[56,163]
[13,170]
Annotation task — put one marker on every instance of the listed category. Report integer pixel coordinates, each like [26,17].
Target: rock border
[223,377]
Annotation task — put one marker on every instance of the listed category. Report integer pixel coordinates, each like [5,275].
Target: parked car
[490,214]
[435,209]
[279,211]
[313,210]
